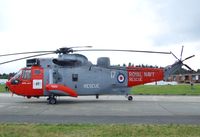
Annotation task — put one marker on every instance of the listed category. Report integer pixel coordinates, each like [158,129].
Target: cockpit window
[36,72]
[26,74]
[17,76]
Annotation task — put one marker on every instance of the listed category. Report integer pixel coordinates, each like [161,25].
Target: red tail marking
[63,88]
[139,76]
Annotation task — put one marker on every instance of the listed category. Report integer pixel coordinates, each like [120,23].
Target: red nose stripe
[63,88]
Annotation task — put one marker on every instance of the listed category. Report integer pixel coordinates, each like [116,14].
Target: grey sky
[180,20]
[4,16]
[161,25]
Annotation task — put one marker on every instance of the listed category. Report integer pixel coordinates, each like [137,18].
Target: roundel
[120,78]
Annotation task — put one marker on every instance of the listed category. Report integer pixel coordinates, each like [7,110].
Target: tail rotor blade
[188,57]
[181,53]
[175,56]
[188,67]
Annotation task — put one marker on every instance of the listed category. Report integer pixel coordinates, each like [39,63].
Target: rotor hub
[64,51]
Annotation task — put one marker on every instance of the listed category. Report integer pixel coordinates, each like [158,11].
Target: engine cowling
[103,61]
[70,60]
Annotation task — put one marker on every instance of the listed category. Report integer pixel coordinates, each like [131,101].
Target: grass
[183,89]
[2,88]
[97,130]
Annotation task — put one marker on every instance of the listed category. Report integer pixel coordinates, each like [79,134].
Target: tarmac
[106,109]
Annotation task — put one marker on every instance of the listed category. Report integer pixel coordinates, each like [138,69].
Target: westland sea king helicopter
[74,75]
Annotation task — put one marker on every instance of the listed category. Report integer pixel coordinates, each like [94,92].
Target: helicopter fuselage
[75,76]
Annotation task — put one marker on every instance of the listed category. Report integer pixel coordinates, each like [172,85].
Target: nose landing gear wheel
[52,100]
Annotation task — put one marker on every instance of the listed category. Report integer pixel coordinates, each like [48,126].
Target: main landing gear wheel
[97,96]
[130,98]
[52,100]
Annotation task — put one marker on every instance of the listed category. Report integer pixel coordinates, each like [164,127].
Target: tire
[130,98]
[52,101]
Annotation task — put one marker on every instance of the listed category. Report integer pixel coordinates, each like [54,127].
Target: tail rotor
[182,60]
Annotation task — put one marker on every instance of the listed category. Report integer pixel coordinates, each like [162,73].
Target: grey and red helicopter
[74,75]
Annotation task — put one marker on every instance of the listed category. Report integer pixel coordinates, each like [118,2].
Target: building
[185,78]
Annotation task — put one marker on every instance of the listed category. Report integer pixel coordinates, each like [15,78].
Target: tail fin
[169,70]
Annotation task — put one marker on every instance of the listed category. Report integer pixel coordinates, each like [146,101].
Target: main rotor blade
[119,50]
[32,52]
[25,58]
[188,57]
[80,47]
[25,53]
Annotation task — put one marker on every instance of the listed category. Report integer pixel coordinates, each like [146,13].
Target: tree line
[7,76]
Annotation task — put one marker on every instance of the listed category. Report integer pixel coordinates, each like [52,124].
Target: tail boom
[139,75]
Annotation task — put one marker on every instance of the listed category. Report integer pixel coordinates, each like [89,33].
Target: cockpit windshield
[17,76]
[24,74]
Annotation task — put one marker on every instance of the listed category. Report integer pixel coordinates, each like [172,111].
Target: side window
[75,77]
[36,72]
[26,74]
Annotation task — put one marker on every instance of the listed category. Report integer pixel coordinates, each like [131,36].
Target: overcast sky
[32,25]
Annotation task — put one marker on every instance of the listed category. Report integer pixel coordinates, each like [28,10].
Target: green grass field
[98,130]
[2,88]
[184,89]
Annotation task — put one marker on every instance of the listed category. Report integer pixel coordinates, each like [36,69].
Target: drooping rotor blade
[25,58]
[81,47]
[26,53]
[33,52]
[188,57]
[119,50]
[181,53]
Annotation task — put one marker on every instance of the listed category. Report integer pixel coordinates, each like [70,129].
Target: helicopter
[73,75]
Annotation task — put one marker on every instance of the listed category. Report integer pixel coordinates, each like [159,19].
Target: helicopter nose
[8,84]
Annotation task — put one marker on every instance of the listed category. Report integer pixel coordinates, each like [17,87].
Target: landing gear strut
[52,99]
